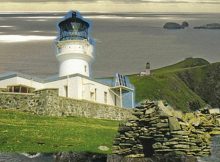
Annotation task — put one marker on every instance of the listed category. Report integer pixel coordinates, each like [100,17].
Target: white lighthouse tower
[74,46]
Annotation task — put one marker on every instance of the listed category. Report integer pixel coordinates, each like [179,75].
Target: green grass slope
[23,132]
[165,84]
[204,81]
[188,63]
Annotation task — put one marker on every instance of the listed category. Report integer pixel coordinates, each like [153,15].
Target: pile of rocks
[160,130]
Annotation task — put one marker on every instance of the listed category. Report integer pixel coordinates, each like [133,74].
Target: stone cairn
[160,130]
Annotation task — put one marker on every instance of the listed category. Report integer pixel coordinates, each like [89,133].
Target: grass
[205,82]
[188,63]
[165,84]
[23,132]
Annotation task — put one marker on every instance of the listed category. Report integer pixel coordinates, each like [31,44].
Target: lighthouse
[75,50]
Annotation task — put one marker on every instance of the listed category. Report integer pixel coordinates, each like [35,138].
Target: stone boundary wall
[161,130]
[47,102]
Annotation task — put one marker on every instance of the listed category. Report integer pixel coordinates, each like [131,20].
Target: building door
[115,100]
[148,147]
[92,96]
[66,90]
[105,97]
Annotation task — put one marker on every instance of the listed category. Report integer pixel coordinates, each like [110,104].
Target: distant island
[174,25]
[208,26]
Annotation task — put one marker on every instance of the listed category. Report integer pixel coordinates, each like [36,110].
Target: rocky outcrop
[160,130]
[208,26]
[173,25]
[79,157]
[167,158]
[53,157]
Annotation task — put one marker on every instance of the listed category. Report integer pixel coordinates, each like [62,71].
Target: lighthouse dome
[73,27]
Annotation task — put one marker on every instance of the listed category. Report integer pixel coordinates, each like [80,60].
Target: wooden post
[121,97]
[132,99]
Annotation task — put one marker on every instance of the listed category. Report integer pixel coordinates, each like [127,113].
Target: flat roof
[10,74]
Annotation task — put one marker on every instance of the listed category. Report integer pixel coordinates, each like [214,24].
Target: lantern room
[73,27]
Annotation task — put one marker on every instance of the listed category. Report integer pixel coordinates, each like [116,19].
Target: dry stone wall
[160,130]
[47,102]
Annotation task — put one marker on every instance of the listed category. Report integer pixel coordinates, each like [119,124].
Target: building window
[10,89]
[66,90]
[17,89]
[20,89]
[105,97]
[85,68]
[23,89]
[92,96]
[95,94]
[115,100]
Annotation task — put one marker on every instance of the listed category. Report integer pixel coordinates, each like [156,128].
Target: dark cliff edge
[205,82]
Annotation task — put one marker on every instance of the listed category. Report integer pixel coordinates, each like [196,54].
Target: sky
[209,6]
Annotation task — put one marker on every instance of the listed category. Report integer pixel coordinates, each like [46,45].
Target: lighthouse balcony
[73,35]
[75,47]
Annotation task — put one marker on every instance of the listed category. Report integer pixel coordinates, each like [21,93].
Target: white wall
[91,86]
[59,84]
[74,66]
[20,81]
[78,88]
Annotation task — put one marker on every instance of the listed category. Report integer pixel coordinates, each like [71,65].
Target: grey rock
[209,26]
[172,25]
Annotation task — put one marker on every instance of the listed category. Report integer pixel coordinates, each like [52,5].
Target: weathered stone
[157,145]
[146,137]
[171,143]
[184,133]
[158,135]
[174,124]
[125,144]
[164,121]
[149,111]
[181,146]
[124,129]
[163,114]
[128,134]
[138,113]
[160,125]
[163,150]
[135,156]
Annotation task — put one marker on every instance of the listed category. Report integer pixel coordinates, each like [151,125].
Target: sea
[124,41]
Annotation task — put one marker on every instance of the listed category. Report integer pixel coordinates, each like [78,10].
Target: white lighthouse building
[75,54]
[75,51]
